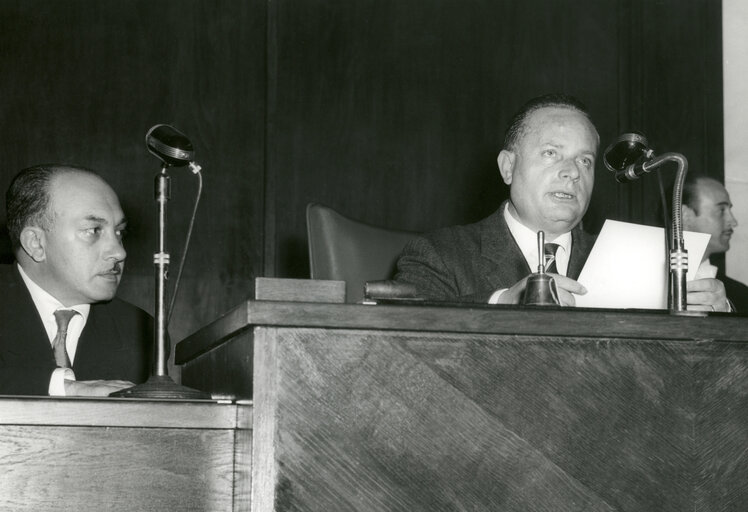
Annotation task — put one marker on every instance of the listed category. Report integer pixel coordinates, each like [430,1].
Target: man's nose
[115,250]
[570,169]
[731,220]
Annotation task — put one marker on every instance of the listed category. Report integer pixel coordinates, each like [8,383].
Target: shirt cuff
[57,382]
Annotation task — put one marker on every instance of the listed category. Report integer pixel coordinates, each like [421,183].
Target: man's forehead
[551,122]
[713,190]
[83,195]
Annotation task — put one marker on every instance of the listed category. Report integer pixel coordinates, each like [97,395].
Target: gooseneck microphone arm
[678,253]
[629,157]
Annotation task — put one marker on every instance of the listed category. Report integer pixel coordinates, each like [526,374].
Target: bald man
[548,162]
[62,330]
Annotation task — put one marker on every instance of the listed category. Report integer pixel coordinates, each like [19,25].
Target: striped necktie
[550,257]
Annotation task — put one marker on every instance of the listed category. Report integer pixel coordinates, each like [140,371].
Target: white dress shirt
[527,240]
[46,305]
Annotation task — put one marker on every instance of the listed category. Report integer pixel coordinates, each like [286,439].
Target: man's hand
[706,295]
[94,387]
[566,286]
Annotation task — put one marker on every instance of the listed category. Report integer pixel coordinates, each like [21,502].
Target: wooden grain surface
[639,324]
[114,455]
[364,420]
[74,411]
[84,468]
[442,408]
[298,290]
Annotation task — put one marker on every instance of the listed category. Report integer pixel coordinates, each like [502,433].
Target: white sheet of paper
[628,268]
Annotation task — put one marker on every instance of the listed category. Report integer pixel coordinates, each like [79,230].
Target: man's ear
[33,243]
[687,215]
[506,165]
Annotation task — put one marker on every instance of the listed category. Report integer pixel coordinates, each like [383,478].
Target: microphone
[170,146]
[628,157]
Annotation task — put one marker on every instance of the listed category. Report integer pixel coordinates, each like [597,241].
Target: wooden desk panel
[407,413]
[123,455]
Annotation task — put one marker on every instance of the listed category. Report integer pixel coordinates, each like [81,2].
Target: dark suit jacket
[116,342]
[737,292]
[469,263]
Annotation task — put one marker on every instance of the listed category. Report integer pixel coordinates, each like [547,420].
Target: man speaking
[62,331]
[548,161]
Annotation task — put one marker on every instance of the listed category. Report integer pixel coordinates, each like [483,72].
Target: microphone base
[161,387]
[689,313]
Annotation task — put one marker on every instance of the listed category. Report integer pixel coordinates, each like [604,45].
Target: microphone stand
[678,303]
[677,299]
[629,157]
[160,385]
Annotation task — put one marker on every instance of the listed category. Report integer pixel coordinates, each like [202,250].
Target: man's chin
[102,298]
[563,222]
[104,293]
[568,210]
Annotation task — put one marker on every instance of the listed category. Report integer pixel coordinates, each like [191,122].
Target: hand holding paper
[628,266]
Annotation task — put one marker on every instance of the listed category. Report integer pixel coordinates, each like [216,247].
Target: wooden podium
[431,408]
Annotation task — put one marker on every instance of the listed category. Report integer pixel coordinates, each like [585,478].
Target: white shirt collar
[527,240]
[46,305]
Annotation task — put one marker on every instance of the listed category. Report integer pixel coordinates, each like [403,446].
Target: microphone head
[169,145]
[627,150]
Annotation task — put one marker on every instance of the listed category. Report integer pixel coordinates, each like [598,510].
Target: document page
[629,266]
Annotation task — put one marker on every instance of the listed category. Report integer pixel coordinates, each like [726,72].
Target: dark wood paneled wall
[391,111]
[82,81]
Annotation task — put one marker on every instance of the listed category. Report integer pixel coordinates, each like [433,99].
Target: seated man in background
[548,161]
[62,331]
[707,209]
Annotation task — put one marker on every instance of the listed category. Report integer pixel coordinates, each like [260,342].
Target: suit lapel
[502,261]
[28,319]
[581,245]
[92,342]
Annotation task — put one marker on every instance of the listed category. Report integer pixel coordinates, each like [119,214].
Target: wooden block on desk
[299,290]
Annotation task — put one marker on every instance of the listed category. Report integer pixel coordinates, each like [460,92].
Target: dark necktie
[62,317]
[550,257]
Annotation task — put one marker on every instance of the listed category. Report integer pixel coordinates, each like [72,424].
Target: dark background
[391,111]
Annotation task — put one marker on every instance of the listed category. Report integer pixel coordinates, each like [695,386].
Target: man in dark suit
[548,161]
[706,208]
[66,226]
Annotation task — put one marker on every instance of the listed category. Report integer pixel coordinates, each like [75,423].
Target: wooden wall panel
[391,111]
[671,79]
[83,81]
